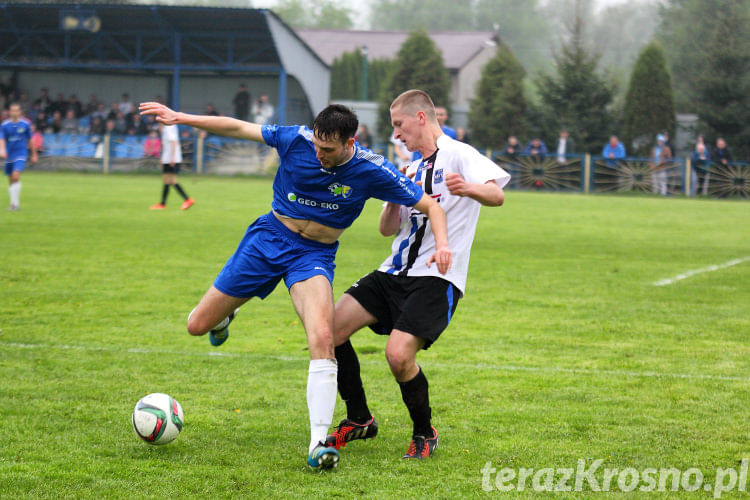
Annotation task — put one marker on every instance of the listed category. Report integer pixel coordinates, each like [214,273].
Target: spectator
[613,150]
[59,105]
[701,162]
[211,110]
[512,148]
[138,126]
[110,127]
[92,106]
[112,115]
[722,155]
[262,110]
[37,139]
[25,103]
[564,146]
[33,113]
[241,103]
[44,101]
[121,123]
[187,145]
[41,122]
[363,137]
[125,105]
[667,141]
[536,149]
[101,112]
[97,126]
[661,157]
[152,146]
[442,117]
[75,105]
[462,135]
[69,123]
[56,123]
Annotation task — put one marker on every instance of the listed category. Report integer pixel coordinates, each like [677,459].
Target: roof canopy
[173,40]
[458,47]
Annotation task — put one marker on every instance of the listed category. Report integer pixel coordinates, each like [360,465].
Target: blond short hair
[415,100]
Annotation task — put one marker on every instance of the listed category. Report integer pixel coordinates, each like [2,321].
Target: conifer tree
[649,103]
[498,109]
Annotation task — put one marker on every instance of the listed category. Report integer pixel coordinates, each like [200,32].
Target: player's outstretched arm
[218,125]
[489,193]
[3,153]
[443,255]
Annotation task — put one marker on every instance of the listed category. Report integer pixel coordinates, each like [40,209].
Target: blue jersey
[17,136]
[303,189]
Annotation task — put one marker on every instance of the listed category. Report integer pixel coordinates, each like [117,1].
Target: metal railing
[207,154]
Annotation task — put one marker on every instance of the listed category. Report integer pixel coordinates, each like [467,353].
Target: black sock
[350,384]
[416,396]
[179,190]
[164,193]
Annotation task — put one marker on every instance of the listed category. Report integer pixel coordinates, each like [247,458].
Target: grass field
[562,349]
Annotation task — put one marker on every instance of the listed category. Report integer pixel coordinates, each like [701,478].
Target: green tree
[577,97]
[322,14]
[649,103]
[347,72]
[708,46]
[499,106]
[522,25]
[419,65]
[435,15]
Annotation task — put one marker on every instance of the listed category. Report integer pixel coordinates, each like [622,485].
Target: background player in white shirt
[171,159]
[406,298]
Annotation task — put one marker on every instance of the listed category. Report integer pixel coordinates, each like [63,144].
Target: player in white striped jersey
[407,298]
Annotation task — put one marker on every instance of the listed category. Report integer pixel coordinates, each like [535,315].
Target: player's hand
[411,176]
[162,113]
[457,185]
[34,158]
[443,257]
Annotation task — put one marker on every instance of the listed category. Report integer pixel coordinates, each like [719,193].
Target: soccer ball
[158,418]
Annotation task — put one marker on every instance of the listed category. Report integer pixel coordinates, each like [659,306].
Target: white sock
[321,398]
[14,190]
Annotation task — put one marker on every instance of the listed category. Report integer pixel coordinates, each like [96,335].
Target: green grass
[562,348]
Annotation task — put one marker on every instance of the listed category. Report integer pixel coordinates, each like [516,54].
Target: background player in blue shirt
[15,144]
[322,183]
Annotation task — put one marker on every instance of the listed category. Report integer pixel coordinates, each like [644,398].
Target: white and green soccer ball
[158,418]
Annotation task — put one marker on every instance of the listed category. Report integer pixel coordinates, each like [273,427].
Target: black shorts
[419,305]
[166,168]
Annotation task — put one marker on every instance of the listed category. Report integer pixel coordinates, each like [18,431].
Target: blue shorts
[270,251]
[15,166]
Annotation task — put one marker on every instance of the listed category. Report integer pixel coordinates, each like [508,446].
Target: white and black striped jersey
[414,242]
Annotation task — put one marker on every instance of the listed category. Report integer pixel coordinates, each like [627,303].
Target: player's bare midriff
[311,230]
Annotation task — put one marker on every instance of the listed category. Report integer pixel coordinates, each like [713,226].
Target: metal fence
[208,154]
[107,153]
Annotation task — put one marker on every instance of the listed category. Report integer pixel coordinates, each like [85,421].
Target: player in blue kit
[321,186]
[15,144]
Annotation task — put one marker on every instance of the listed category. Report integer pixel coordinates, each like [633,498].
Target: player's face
[406,127]
[331,152]
[15,112]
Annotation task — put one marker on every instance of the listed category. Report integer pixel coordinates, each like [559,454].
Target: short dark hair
[336,122]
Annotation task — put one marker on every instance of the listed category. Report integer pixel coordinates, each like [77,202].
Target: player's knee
[399,361]
[321,343]
[194,324]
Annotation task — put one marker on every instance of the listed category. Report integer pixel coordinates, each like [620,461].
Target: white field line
[669,281]
[436,364]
